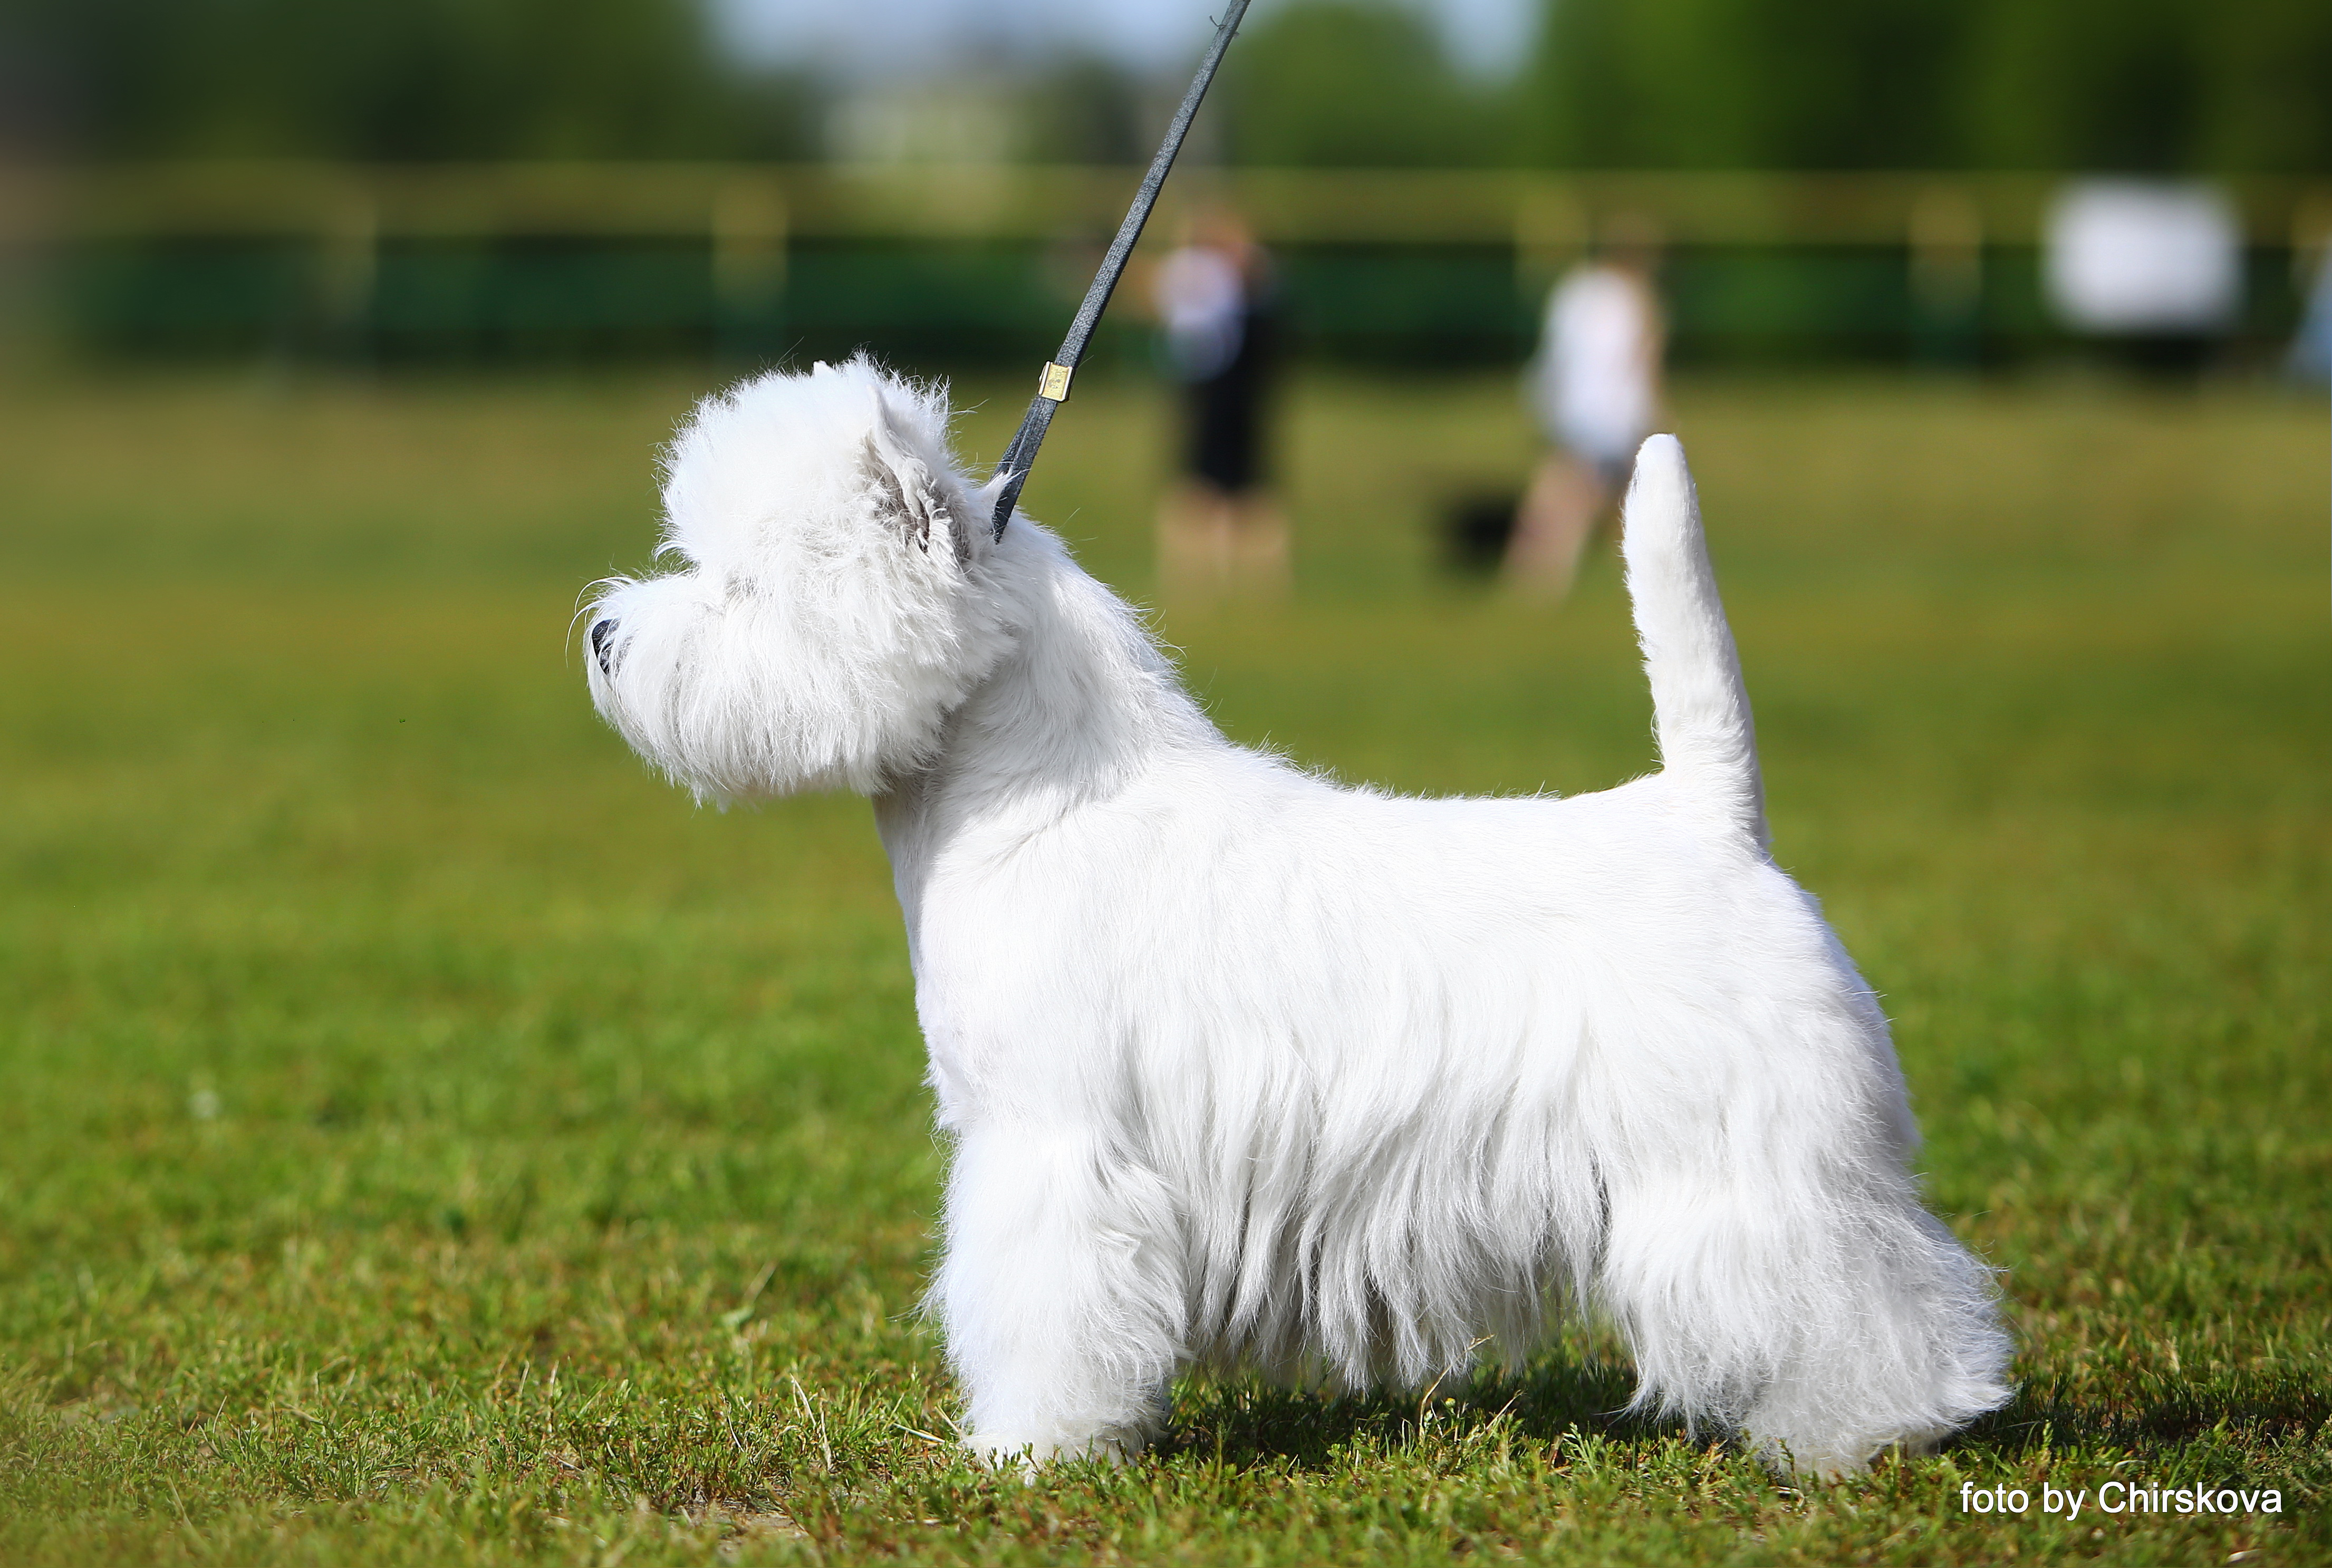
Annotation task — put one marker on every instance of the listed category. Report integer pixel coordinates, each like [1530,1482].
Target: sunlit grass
[425,1138]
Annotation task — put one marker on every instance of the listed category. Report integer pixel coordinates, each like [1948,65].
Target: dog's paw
[1027,1458]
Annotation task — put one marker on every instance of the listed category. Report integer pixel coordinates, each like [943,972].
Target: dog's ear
[908,492]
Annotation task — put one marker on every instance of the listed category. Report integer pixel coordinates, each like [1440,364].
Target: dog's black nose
[603,645]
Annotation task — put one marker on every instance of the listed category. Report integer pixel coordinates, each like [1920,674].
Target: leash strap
[1052,385]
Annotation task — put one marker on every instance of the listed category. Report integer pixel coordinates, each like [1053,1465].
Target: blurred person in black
[1218,526]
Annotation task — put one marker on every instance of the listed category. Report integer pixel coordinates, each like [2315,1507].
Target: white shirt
[1202,299]
[1593,381]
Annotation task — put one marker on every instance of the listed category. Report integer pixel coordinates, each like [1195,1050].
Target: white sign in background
[2130,256]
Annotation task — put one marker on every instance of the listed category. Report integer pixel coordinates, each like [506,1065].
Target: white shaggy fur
[1248,1069]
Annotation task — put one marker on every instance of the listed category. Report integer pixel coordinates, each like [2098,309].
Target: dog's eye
[603,639]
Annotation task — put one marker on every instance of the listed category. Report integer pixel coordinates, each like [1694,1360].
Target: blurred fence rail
[474,259]
[998,201]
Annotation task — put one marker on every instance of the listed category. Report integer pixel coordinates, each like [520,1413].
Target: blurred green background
[2037,89]
[425,1137]
[2139,85]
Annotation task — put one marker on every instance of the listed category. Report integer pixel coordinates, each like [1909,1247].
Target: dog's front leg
[1061,1295]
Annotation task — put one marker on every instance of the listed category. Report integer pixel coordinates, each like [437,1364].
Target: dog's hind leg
[1819,1319]
[1899,1345]
[1059,1293]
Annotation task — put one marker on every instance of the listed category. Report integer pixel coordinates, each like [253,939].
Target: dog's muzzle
[603,645]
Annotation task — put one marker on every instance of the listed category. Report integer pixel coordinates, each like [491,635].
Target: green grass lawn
[424,1138]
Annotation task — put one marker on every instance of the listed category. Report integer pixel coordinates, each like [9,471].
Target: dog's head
[830,606]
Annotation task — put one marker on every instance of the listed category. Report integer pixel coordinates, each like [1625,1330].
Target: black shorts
[1226,415]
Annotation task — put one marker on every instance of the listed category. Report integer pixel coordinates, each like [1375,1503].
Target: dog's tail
[1700,709]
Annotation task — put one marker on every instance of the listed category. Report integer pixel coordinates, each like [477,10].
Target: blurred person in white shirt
[1595,388]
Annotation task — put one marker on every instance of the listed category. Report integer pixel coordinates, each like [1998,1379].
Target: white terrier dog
[1245,1068]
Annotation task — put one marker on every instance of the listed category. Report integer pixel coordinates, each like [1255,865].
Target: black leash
[1052,385]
